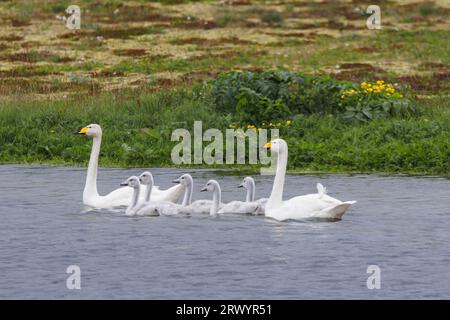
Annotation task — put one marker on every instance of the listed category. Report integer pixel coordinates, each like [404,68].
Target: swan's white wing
[172,194]
[199,207]
[303,207]
[262,200]
[321,189]
[155,208]
[148,210]
[168,208]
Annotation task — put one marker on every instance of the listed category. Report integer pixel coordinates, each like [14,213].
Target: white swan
[118,197]
[250,206]
[214,187]
[317,205]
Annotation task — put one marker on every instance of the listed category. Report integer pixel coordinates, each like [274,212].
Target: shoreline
[229,170]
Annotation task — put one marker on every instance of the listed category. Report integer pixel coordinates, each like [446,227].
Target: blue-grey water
[400,224]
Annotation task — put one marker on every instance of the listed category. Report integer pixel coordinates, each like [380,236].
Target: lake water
[400,224]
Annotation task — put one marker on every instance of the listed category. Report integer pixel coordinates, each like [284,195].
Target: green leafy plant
[369,101]
[257,98]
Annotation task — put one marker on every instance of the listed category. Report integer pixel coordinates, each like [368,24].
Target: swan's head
[146,178]
[211,185]
[277,145]
[92,130]
[247,183]
[185,180]
[132,182]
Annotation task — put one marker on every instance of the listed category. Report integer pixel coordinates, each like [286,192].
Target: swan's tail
[321,190]
[336,212]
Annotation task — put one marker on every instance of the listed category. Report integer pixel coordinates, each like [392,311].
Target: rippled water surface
[401,224]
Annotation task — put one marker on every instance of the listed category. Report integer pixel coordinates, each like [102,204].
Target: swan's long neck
[148,191]
[135,198]
[251,192]
[217,195]
[276,197]
[188,194]
[90,188]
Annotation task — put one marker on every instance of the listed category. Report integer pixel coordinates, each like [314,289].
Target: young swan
[198,206]
[148,207]
[214,187]
[145,179]
[132,182]
[249,184]
[247,207]
[168,208]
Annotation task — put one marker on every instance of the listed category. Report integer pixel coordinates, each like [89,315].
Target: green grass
[137,131]
[416,56]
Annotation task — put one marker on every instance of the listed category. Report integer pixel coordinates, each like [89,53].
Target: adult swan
[318,205]
[121,196]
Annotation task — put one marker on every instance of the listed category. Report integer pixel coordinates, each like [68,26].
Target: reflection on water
[400,224]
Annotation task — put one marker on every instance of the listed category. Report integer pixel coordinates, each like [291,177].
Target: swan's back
[147,210]
[317,205]
[240,207]
[199,207]
[169,209]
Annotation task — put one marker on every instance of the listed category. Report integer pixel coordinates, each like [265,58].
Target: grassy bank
[132,66]
[137,131]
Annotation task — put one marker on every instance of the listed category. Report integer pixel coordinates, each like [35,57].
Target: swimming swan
[121,196]
[214,187]
[135,184]
[198,206]
[142,208]
[317,205]
[249,184]
[247,207]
